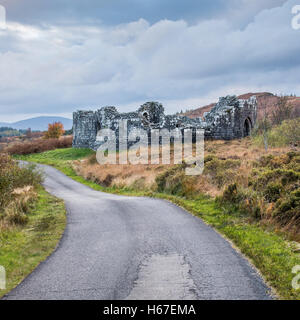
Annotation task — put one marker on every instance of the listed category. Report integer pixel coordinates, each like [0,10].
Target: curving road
[117,247]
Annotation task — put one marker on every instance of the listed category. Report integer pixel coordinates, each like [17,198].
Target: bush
[221,171]
[92,159]
[231,194]
[277,180]
[253,206]
[245,201]
[273,191]
[260,179]
[287,210]
[281,173]
[16,189]
[174,181]
[38,146]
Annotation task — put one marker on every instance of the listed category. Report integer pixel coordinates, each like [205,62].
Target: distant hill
[38,123]
[263,97]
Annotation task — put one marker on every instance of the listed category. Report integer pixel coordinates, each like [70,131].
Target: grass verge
[22,248]
[267,250]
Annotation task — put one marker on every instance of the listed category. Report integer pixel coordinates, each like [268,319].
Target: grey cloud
[114,12]
[61,68]
[109,12]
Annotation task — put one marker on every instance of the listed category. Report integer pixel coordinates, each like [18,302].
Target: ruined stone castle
[230,118]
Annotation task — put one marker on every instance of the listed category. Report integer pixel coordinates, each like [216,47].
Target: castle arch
[247,127]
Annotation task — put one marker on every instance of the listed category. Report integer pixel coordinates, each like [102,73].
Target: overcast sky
[58,56]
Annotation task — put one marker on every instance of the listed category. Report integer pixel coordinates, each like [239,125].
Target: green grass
[61,159]
[267,250]
[58,155]
[23,248]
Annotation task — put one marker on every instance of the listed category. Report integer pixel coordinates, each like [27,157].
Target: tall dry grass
[17,191]
[233,162]
[140,177]
[228,164]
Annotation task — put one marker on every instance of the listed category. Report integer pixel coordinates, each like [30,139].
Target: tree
[283,110]
[290,130]
[28,133]
[68,132]
[264,124]
[55,130]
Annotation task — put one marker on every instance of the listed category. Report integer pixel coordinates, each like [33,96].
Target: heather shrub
[287,210]
[39,145]
[162,180]
[138,184]
[174,181]
[231,194]
[92,159]
[273,190]
[104,180]
[252,205]
[260,179]
[16,189]
[221,171]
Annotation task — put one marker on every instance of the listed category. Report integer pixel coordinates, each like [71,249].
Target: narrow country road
[117,247]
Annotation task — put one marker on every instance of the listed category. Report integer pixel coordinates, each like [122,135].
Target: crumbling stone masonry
[230,118]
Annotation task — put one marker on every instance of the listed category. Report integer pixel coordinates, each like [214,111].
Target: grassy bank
[23,247]
[269,251]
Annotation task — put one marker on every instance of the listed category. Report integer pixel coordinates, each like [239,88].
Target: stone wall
[229,119]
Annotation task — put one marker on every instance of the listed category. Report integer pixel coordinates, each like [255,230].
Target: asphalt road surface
[117,247]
